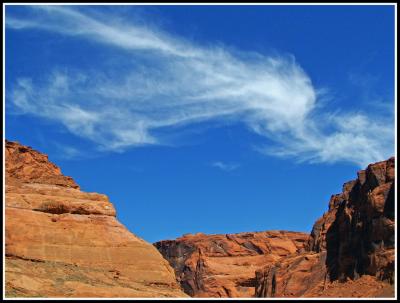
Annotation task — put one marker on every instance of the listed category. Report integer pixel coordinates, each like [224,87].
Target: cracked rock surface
[225,265]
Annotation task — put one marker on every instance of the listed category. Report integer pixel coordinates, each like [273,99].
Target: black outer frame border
[4,4]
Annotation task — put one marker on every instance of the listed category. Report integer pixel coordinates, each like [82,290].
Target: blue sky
[214,119]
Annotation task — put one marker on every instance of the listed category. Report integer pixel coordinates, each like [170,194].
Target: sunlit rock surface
[225,265]
[62,242]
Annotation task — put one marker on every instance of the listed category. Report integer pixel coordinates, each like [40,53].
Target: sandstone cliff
[62,242]
[225,265]
[353,242]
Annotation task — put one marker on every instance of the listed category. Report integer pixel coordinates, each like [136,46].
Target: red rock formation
[62,242]
[225,265]
[25,165]
[292,276]
[358,230]
[355,237]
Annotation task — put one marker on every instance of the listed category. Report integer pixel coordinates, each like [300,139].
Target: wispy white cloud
[177,83]
[225,166]
[68,152]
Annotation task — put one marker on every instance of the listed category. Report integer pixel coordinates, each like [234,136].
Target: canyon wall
[225,265]
[63,242]
[349,253]
[352,240]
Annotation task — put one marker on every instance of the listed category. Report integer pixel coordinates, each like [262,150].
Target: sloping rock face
[62,242]
[293,276]
[25,165]
[355,237]
[225,265]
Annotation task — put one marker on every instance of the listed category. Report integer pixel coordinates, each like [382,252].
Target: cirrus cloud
[175,82]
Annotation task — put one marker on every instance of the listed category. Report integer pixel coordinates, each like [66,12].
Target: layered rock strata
[63,242]
[225,265]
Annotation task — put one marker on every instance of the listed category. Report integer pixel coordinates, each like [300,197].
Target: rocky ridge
[352,240]
[349,253]
[63,242]
[224,265]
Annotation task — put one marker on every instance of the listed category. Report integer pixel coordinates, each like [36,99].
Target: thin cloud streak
[178,83]
[225,166]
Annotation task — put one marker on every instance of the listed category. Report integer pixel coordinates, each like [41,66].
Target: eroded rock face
[225,265]
[26,165]
[358,229]
[354,238]
[62,242]
[292,276]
